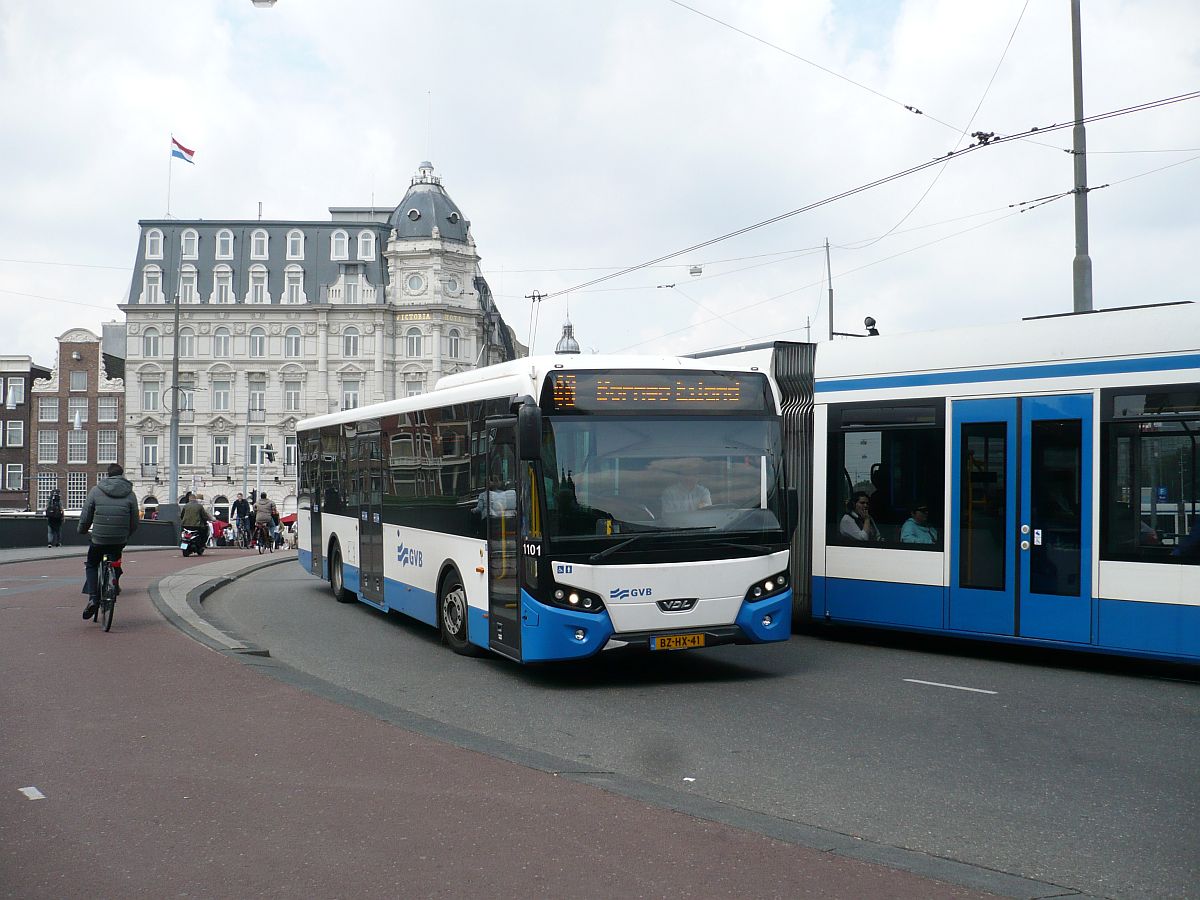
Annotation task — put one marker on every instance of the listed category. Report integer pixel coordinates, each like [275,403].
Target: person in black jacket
[54,520]
[110,513]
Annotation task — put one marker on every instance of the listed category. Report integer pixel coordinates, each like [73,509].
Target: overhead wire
[971,121]
[986,141]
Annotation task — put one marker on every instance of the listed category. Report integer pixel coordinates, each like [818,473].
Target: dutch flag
[182,152]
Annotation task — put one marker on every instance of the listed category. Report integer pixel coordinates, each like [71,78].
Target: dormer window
[366,245]
[154,244]
[453,217]
[295,245]
[189,244]
[338,245]
[225,244]
[152,285]
[414,214]
[258,285]
[258,245]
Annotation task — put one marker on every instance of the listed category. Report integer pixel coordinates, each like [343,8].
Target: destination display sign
[627,390]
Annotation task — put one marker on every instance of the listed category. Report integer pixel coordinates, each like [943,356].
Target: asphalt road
[1082,775]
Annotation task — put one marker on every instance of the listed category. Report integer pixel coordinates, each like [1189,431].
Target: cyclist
[239,514]
[265,516]
[110,513]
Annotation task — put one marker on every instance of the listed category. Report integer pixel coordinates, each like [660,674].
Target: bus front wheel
[452,615]
[336,577]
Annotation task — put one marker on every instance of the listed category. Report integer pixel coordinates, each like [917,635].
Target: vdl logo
[409,556]
[624,593]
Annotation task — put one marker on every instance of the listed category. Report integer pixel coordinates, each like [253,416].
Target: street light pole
[174,394]
[1081,270]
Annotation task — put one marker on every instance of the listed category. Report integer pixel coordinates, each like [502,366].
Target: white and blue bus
[549,508]
[1033,483]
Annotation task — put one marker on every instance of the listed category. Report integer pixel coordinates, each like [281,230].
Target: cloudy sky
[583,137]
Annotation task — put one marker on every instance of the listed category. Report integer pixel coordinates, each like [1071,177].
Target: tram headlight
[768,587]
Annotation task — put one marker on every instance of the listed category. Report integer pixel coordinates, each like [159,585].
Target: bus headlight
[768,587]
[576,599]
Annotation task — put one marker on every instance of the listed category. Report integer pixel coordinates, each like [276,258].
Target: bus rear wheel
[337,579]
[452,616]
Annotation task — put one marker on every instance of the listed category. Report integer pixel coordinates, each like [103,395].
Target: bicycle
[241,537]
[108,590]
[263,538]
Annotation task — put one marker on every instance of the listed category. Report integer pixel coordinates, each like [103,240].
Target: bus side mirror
[529,431]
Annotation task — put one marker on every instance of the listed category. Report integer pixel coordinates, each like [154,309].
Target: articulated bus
[1033,483]
[549,508]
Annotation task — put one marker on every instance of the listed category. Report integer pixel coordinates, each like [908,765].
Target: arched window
[366,245]
[187,342]
[338,243]
[295,244]
[258,285]
[412,341]
[292,342]
[189,244]
[258,342]
[293,288]
[453,343]
[187,284]
[258,244]
[350,341]
[150,343]
[154,244]
[222,348]
[222,285]
[225,244]
[152,285]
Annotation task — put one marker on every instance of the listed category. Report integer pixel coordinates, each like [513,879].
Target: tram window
[894,454]
[1150,475]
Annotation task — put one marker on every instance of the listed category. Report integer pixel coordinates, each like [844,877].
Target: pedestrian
[110,513]
[54,520]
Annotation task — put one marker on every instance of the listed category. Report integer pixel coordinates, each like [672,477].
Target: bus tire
[337,580]
[452,615]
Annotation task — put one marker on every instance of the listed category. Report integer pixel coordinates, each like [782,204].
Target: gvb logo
[626,593]
[409,556]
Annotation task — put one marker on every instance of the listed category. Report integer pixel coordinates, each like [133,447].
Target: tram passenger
[857,523]
[917,529]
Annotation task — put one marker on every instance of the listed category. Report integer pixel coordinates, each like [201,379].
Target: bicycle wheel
[258,539]
[107,597]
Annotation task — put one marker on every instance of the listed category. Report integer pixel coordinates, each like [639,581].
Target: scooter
[192,540]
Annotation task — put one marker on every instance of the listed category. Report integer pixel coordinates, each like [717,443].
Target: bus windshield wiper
[608,551]
[758,548]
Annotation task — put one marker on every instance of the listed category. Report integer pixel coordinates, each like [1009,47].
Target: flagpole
[170,160]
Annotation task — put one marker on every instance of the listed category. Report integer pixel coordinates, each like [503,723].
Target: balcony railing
[220,469]
[289,469]
[149,470]
[258,415]
[186,415]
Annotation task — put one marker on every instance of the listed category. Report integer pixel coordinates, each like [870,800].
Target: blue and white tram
[1036,483]
[636,501]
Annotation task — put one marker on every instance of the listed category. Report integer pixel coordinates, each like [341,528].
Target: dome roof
[567,343]
[426,206]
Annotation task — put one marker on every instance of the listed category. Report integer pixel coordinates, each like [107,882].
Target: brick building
[77,418]
[16,377]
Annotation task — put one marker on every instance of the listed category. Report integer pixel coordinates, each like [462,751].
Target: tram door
[504,593]
[1021,517]
[368,472]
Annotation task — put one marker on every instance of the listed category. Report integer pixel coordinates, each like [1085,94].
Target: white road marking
[33,793]
[957,687]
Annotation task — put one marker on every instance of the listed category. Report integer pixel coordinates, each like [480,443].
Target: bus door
[312,482]
[504,593]
[369,472]
[1021,517]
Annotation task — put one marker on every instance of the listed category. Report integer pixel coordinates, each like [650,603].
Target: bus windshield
[672,475]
